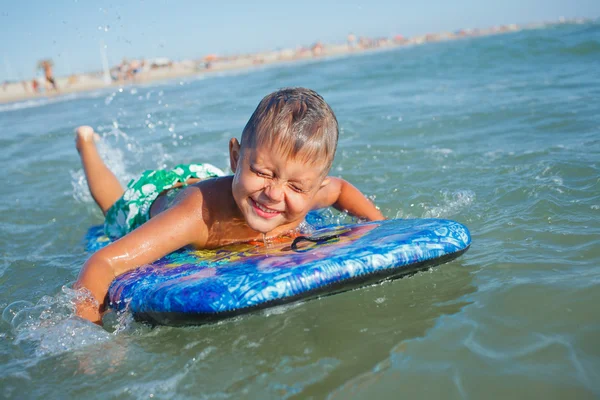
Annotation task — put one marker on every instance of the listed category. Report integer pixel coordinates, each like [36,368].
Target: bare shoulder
[202,193]
[207,201]
[213,192]
[190,200]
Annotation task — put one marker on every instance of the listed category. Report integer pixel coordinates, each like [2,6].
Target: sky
[71,32]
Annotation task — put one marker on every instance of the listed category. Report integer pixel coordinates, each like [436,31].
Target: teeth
[261,207]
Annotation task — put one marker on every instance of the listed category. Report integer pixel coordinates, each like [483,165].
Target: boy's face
[271,190]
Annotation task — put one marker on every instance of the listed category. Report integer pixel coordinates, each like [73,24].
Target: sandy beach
[165,69]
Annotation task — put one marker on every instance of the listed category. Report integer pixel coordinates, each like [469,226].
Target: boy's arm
[168,231]
[345,197]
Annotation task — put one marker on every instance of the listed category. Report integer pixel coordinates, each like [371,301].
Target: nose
[274,191]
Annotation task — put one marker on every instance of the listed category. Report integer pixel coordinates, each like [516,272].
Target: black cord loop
[317,240]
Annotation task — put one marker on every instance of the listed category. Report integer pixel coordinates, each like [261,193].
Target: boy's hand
[95,277]
[89,309]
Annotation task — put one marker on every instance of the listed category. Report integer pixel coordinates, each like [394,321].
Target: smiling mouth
[263,211]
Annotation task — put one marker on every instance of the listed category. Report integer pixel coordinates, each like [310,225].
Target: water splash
[119,151]
[50,326]
[451,204]
[326,217]
[305,228]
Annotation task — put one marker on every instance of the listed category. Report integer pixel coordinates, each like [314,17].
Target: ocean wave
[536,45]
[589,47]
[44,101]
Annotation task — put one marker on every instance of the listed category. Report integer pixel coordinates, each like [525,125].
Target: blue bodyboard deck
[194,287]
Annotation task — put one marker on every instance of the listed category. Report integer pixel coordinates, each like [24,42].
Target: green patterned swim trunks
[133,208]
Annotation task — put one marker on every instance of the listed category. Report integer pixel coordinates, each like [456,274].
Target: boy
[280,174]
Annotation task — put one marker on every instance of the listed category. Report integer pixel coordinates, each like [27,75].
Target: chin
[261,225]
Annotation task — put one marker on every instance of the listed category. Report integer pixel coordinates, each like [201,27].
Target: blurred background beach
[484,113]
[82,47]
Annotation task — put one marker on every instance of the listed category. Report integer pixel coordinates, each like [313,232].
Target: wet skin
[268,194]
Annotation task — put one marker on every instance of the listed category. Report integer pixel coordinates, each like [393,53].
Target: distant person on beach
[46,65]
[279,174]
[35,85]
[134,68]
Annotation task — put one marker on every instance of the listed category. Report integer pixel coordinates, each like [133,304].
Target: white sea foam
[280,310]
[451,204]
[50,324]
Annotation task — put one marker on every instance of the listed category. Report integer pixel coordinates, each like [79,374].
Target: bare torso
[220,213]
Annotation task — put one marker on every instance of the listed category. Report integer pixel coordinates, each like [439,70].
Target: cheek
[244,184]
[297,203]
[237,189]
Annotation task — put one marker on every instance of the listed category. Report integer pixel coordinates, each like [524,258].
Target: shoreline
[13,92]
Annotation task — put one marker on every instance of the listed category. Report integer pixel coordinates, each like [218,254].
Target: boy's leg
[104,185]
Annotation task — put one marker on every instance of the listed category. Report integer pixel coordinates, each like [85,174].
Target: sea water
[501,133]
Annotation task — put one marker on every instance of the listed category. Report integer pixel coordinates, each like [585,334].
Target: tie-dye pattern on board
[194,287]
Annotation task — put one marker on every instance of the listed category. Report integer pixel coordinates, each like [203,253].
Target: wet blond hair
[296,122]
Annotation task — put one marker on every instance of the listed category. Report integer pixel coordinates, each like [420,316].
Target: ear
[325,182]
[234,154]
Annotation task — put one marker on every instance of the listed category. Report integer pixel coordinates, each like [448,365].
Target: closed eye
[260,173]
[298,189]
